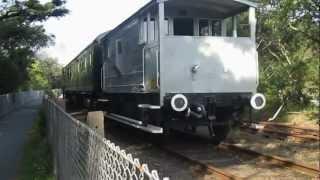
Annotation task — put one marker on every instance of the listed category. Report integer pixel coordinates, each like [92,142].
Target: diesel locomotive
[173,64]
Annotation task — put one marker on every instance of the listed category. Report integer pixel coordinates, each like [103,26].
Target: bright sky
[87,19]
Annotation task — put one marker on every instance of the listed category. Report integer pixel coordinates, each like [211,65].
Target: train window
[148,32]
[108,51]
[88,62]
[119,47]
[143,31]
[85,64]
[183,27]
[216,28]
[152,30]
[81,64]
[204,28]
[243,25]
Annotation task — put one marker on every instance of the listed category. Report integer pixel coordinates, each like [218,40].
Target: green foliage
[45,73]
[37,77]
[22,35]
[37,162]
[9,76]
[31,10]
[289,51]
[52,71]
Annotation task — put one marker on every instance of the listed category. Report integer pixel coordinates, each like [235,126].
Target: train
[174,64]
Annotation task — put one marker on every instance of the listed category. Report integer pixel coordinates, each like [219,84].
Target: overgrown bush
[289,52]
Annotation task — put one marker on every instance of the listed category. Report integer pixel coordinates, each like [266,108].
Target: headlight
[179,103]
[258,101]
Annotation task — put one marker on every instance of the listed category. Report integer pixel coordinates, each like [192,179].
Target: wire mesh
[80,153]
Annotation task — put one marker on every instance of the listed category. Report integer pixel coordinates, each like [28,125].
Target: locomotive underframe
[212,110]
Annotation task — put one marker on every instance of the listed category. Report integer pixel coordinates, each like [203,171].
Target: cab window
[204,27]
[216,28]
[183,27]
[166,24]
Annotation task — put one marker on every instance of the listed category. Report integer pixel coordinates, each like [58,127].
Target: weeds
[37,163]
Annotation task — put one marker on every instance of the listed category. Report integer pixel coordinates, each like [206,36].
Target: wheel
[220,133]
[69,102]
[221,128]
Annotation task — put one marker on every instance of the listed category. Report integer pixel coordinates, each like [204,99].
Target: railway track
[216,172]
[283,131]
[233,155]
[217,161]
[275,159]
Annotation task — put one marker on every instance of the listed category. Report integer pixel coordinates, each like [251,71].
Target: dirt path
[13,134]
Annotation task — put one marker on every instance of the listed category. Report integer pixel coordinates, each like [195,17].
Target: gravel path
[13,135]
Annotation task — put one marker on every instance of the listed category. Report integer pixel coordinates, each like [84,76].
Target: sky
[86,20]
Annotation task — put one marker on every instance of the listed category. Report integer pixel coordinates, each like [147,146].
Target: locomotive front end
[209,74]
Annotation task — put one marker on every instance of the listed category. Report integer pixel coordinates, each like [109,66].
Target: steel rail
[276,159]
[287,131]
[313,132]
[219,173]
[289,126]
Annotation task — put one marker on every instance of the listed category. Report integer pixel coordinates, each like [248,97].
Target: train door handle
[195,68]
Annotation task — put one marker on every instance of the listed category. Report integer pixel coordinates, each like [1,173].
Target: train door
[97,60]
[151,64]
[150,54]
[119,54]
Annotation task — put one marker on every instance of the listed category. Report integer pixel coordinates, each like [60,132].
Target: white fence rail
[10,102]
[81,154]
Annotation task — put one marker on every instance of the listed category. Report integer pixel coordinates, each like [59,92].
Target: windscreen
[183,27]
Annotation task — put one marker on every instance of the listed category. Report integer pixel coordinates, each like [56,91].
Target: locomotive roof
[97,39]
[227,7]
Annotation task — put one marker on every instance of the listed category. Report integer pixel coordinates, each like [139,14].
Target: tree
[43,73]
[289,50]
[22,35]
[31,10]
[52,71]
[37,79]
[8,76]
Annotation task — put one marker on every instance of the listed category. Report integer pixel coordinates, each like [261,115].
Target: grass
[307,116]
[37,161]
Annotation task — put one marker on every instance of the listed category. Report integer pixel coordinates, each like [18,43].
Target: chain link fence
[10,102]
[81,154]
